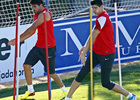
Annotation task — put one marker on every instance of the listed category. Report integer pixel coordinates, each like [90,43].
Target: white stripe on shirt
[102,21]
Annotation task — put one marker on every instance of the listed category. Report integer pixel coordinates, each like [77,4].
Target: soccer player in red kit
[38,52]
[103,53]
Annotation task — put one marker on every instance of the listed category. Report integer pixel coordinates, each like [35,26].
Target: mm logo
[69,32]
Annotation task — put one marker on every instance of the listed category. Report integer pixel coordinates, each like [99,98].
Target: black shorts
[37,54]
[106,62]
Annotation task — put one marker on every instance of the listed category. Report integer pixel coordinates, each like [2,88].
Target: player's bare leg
[74,86]
[28,74]
[120,90]
[58,80]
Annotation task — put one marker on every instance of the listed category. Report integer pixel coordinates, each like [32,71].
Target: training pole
[47,60]
[118,48]
[18,45]
[91,61]
[47,6]
[15,63]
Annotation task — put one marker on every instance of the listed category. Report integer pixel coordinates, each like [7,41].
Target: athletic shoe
[66,98]
[134,97]
[65,93]
[27,94]
[63,98]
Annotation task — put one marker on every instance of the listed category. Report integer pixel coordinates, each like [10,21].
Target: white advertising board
[7,54]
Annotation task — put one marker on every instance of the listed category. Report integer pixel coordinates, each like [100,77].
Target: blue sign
[72,34]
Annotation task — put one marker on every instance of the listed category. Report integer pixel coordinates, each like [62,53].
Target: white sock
[30,88]
[66,98]
[64,89]
[129,95]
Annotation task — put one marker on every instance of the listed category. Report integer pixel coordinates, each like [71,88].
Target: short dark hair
[97,2]
[38,2]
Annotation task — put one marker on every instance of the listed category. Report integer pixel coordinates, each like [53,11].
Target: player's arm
[85,49]
[30,31]
[99,25]
[94,35]
[35,24]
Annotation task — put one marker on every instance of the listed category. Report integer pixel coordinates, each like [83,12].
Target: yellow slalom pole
[91,64]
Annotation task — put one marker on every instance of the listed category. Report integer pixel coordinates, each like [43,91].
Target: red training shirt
[104,42]
[50,33]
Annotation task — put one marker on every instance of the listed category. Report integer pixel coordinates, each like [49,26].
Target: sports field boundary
[43,79]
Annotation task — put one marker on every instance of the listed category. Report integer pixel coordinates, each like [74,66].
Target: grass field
[131,82]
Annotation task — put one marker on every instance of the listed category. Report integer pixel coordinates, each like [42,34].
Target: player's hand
[81,50]
[12,42]
[82,58]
